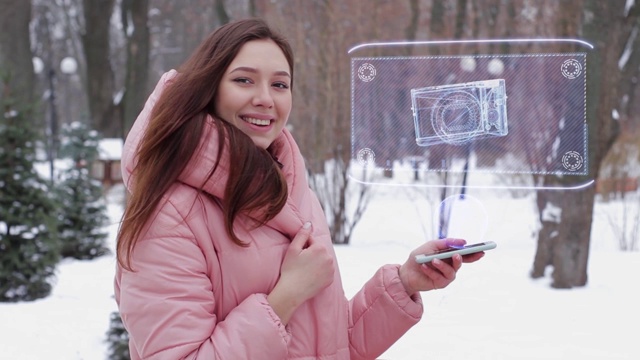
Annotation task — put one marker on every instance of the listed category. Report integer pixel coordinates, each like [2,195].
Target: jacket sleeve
[380,313]
[168,307]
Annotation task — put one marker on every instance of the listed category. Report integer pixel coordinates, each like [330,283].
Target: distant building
[107,167]
[616,187]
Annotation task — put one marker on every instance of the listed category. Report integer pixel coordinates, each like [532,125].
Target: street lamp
[468,64]
[38,65]
[52,122]
[68,66]
[495,67]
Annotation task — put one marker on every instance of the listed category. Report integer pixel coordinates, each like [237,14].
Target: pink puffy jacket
[194,294]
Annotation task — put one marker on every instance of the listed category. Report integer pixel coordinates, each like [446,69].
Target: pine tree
[117,339]
[29,248]
[83,215]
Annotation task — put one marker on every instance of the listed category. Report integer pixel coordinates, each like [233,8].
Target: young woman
[224,251]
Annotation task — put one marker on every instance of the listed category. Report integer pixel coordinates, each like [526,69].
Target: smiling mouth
[254,121]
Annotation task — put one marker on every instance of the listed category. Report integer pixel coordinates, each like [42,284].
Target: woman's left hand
[437,274]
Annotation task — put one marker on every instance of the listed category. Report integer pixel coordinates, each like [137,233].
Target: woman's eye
[281,85]
[242,80]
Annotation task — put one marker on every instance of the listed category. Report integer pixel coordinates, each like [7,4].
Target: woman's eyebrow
[282,73]
[254,70]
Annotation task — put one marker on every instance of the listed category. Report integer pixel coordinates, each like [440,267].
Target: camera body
[457,113]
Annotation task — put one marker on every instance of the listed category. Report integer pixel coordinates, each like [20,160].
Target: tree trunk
[100,76]
[223,15]
[138,45]
[547,234]
[571,258]
[564,242]
[253,9]
[16,66]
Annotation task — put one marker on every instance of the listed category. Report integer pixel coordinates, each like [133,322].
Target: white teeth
[255,121]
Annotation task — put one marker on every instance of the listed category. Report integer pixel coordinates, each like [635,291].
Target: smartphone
[463,250]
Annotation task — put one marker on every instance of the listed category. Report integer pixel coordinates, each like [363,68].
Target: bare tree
[15,52]
[624,221]
[566,247]
[618,179]
[136,32]
[344,201]
[223,16]
[100,75]
[176,29]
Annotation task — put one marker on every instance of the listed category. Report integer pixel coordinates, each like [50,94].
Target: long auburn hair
[255,185]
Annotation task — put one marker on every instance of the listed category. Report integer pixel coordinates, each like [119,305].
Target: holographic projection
[484,108]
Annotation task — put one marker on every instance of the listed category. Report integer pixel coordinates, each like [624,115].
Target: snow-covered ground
[493,310]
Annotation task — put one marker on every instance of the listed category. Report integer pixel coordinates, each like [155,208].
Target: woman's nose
[263,97]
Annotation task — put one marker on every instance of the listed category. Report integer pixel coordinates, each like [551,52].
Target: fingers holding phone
[469,253]
[434,264]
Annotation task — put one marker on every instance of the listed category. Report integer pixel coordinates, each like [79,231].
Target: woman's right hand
[308,268]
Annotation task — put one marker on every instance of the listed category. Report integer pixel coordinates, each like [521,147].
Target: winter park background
[493,310]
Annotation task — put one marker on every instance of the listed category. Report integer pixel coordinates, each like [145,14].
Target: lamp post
[39,68]
[467,64]
[52,129]
[68,66]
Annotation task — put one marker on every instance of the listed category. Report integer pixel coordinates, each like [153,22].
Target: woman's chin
[261,142]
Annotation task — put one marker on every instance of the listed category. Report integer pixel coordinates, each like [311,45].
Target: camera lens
[456,117]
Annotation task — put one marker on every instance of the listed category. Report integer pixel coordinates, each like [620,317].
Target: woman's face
[255,92]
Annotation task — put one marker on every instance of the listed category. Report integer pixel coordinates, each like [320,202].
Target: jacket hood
[204,159]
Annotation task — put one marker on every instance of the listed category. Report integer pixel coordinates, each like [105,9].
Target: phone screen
[450,249]
[462,250]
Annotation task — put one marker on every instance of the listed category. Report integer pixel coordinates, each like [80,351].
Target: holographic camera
[458,113]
